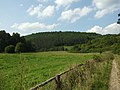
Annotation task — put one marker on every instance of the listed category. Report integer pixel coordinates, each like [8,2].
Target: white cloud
[110,29]
[105,7]
[33,26]
[103,12]
[64,2]
[74,15]
[41,12]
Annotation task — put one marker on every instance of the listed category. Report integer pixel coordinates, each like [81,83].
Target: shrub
[20,47]
[75,49]
[104,56]
[116,49]
[97,58]
[10,49]
[107,56]
[59,48]
[65,49]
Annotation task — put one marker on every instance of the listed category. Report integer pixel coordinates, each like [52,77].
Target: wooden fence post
[58,82]
[56,78]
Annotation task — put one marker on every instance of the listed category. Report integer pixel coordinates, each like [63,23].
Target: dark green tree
[15,38]
[10,49]
[51,40]
[20,47]
[4,40]
[29,46]
[118,19]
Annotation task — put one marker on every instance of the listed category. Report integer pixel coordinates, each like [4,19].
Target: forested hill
[47,40]
[102,44]
[59,41]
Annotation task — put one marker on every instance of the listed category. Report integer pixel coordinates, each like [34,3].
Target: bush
[104,56]
[75,49]
[10,49]
[107,56]
[97,58]
[20,47]
[59,48]
[116,49]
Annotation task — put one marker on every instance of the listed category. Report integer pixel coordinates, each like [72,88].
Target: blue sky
[32,16]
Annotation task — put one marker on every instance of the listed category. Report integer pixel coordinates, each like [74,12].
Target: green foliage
[102,44]
[84,48]
[93,75]
[55,41]
[119,14]
[107,56]
[75,49]
[97,58]
[2,80]
[116,48]
[15,38]
[103,57]
[118,22]
[6,39]
[29,46]
[48,40]
[10,49]
[59,48]
[20,47]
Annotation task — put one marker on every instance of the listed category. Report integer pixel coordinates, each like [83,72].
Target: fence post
[58,82]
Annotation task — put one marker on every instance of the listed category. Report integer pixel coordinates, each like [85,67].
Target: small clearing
[114,79]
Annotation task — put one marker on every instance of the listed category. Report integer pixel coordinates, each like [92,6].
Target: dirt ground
[114,79]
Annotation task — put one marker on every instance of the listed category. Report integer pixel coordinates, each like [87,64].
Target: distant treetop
[118,22]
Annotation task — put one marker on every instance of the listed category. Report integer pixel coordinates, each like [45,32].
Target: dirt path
[114,80]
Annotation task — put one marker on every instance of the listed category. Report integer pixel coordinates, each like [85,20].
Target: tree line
[118,22]
[14,43]
[57,40]
[75,42]
[101,44]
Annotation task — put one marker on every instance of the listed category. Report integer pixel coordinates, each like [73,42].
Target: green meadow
[30,69]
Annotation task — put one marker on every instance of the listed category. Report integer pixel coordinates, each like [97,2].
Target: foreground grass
[22,71]
[93,75]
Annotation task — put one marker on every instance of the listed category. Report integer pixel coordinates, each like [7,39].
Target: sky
[33,16]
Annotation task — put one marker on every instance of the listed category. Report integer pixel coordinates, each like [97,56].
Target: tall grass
[2,80]
[93,75]
[21,72]
[20,85]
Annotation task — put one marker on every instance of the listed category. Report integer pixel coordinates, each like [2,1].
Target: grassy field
[93,75]
[29,69]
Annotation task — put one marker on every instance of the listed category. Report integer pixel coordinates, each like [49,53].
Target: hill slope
[47,40]
[104,43]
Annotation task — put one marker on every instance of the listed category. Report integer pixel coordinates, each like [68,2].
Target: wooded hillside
[59,41]
[47,40]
